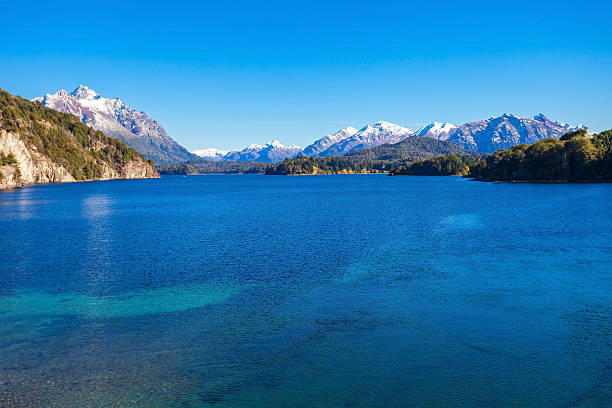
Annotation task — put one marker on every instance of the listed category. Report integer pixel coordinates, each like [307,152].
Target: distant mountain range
[116,119]
[211,154]
[377,159]
[369,136]
[268,153]
[148,137]
[485,136]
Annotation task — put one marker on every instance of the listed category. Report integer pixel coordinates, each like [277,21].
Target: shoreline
[77,181]
[542,181]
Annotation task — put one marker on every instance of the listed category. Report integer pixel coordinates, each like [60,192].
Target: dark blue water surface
[318,291]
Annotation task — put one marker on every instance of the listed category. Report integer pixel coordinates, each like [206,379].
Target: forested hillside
[203,166]
[410,149]
[574,157]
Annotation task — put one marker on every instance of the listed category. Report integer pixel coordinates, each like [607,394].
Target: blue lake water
[317,291]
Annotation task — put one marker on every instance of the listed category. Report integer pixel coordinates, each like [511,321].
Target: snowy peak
[540,117]
[278,145]
[387,128]
[320,145]
[436,130]
[116,119]
[270,152]
[211,154]
[348,131]
[369,136]
[84,92]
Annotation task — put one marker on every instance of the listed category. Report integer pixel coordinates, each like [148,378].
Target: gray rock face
[118,120]
[36,168]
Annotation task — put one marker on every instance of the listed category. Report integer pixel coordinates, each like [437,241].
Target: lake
[314,291]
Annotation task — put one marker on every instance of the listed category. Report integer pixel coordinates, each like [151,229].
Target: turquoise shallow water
[322,291]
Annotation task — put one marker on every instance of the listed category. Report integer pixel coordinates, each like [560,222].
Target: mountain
[116,119]
[269,153]
[320,145]
[503,132]
[410,149]
[211,154]
[436,130]
[369,136]
[41,145]
[383,158]
[484,136]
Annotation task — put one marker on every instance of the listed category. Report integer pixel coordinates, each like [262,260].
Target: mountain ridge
[482,136]
[117,119]
[270,152]
[505,131]
[324,143]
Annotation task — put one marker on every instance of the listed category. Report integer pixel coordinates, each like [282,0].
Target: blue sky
[228,74]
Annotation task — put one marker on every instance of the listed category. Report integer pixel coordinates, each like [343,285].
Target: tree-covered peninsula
[572,158]
[203,166]
[451,165]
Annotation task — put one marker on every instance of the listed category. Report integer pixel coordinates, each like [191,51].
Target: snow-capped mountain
[270,153]
[116,119]
[326,142]
[436,130]
[211,154]
[498,132]
[369,136]
[502,132]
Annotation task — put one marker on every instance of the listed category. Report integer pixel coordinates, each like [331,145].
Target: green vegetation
[574,157]
[10,160]
[178,169]
[408,150]
[7,160]
[451,165]
[211,167]
[327,165]
[63,138]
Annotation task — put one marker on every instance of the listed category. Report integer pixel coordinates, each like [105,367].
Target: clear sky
[227,74]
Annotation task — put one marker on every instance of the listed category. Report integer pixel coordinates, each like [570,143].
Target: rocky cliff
[40,145]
